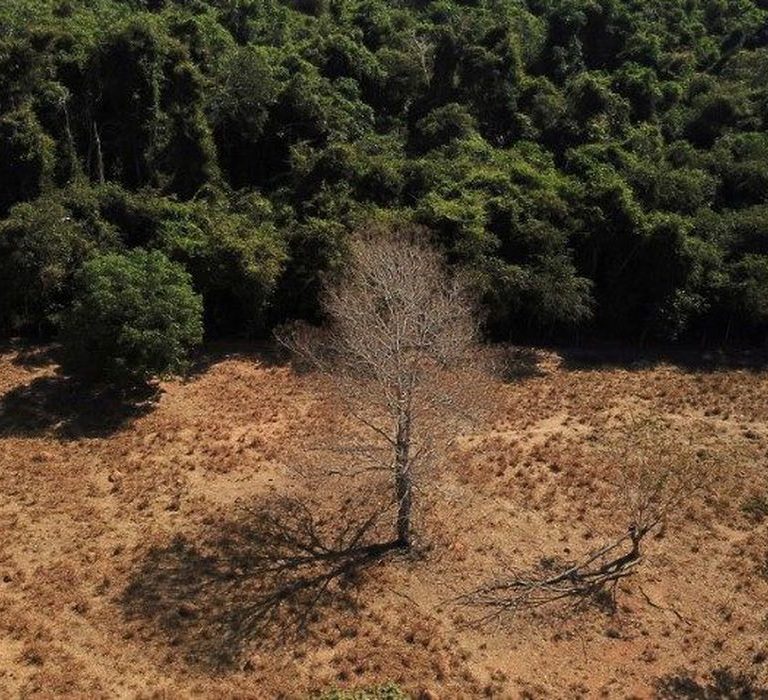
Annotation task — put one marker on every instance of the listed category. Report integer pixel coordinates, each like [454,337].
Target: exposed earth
[129,537]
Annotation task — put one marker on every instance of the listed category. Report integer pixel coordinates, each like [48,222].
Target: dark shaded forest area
[596,166]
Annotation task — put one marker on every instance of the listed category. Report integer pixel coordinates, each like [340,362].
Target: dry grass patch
[98,525]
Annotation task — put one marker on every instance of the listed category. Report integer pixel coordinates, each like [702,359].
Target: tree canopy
[595,165]
[134,316]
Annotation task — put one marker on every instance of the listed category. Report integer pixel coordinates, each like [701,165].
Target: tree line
[594,166]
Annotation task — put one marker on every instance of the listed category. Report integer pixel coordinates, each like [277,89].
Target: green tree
[134,316]
[235,258]
[27,158]
[750,289]
[245,88]
[42,245]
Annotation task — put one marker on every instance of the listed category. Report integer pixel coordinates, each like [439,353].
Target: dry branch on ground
[656,472]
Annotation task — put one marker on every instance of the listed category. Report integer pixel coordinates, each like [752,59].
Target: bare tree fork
[400,349]
[656,473]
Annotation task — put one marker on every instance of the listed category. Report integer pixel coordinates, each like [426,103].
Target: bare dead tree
[655,473]
[400,349]
[656,470]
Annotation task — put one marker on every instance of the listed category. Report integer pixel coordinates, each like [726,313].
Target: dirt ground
[148,550]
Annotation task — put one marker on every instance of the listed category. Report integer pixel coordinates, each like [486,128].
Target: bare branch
[578,582]
[400,350]
[655,471]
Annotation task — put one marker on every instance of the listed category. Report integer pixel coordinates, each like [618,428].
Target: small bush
[762,570]
[134,316]
[390,691]
[756,507]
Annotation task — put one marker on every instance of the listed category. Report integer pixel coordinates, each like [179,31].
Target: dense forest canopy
[599,165]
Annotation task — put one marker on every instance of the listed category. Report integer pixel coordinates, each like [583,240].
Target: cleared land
[144,549]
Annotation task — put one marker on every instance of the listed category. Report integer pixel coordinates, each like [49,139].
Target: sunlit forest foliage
[597,166]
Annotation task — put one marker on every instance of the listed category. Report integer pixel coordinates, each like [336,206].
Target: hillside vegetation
[597,166]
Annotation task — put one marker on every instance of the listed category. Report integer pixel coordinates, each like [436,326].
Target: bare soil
[148,549]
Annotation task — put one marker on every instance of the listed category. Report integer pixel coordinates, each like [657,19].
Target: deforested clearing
[192,546]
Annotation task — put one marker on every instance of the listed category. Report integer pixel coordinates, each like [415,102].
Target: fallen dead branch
[598,572]
[656,473]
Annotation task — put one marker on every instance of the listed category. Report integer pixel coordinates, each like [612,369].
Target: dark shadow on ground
[60,405]
[617,356]
[518,362]
[267,354]
[721,684]
[264,579]
[28,354]
[63,406]
[34,356]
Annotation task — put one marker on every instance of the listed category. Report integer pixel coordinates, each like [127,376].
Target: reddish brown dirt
[87,491]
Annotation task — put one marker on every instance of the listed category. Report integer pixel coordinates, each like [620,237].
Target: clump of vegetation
[42,247]
[756,507]
[389,691]
[133,316]
[599,167]
[762,568]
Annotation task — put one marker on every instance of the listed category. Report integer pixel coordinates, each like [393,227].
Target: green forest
[180,169]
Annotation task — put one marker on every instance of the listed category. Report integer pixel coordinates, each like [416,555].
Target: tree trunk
[99,156]
[403,480]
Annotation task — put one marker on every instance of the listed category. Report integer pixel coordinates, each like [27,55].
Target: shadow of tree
[264,353]
[520,363]
[33,356]
[62,406]
[633,357]
[723,684]
[68,408]
[263,579]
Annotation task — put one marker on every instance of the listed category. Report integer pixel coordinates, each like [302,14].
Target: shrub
[27,158]
[390,691]
[756,508]
[134,316]
[42,245]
